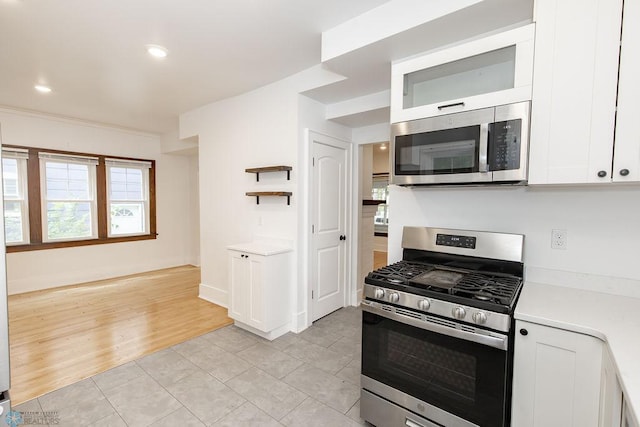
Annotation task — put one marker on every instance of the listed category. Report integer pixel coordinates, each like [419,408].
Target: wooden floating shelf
[258,194]
[258,171]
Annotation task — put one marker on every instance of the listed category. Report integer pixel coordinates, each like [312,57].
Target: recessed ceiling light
[42,88]
[383,146]
[157,51]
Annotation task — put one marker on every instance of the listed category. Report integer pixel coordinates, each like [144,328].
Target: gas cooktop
[492,291]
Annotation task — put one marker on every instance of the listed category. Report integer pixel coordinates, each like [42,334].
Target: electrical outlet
[559,239]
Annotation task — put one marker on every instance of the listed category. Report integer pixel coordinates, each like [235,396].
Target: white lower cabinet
[627,418]
[610,394]
[259,288]
[557,377]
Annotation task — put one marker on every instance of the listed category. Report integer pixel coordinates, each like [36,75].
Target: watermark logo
[16,418]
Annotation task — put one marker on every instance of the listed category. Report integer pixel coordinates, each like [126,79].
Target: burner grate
[399,273]
[488,287]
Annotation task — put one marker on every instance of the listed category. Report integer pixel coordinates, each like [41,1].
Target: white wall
[255,129]
[194,211]
[28,271]
[602,223]
[265,127]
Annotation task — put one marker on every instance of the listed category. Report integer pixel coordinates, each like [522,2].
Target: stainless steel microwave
[489,145]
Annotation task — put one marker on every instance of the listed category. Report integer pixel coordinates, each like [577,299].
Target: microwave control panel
[504,146]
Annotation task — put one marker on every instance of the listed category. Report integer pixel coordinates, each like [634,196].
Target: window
[68,189]
[128,196]
[75,199]
[14,180]
[380,191]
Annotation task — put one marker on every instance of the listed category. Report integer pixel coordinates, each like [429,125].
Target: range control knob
[479,317]
[378,293]
[458,313]
[394,297]
[424,304]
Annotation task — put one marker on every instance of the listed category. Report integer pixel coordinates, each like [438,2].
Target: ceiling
[92,53]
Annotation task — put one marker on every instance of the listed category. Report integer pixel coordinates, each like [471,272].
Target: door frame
[310,136]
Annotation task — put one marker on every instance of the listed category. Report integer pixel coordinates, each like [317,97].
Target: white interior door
[329,224]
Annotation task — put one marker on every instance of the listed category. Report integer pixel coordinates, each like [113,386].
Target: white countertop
[614,319]
[261,248]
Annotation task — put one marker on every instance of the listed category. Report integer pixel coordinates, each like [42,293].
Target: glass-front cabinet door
[486,72]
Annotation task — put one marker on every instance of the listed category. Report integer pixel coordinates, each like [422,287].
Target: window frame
[21,156]
[144,167]
[91,163]
[35,204]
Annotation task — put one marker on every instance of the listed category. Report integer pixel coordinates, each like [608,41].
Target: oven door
[445,149]
[447,375]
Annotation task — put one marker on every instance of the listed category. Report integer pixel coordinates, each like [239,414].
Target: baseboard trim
[213,295]
[266,335]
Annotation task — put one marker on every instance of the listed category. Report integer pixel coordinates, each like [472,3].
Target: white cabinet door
[494,70]
[627,418]
[256,315]
[556,378]
[247,289]
[626,164]
[610,394]
[574,90]
[259,289]
[238,289]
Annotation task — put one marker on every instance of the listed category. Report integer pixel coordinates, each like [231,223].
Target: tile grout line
[115,411]
[191,412]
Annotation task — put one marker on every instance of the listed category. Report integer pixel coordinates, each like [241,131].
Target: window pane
[13,222]
[10,177]
[126,184]
[67,181]
[127,218]
[67,220]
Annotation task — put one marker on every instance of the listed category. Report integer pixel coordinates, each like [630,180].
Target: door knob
[343,237]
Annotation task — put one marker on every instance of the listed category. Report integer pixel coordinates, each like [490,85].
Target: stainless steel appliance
[490,145]
[437,330]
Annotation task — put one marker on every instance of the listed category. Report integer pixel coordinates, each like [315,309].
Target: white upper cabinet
[626,162]
[491,71]
[573,109]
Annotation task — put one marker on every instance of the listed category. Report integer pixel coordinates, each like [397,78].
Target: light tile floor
[228,377]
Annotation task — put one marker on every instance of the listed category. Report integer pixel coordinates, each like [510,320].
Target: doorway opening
[374,182]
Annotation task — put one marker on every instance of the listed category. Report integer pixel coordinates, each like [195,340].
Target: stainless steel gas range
[437,333]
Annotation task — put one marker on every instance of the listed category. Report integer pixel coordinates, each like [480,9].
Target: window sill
[71,244]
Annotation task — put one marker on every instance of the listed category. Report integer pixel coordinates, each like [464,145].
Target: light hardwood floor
[63,335]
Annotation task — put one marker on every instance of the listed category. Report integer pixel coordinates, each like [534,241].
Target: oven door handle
[501,342]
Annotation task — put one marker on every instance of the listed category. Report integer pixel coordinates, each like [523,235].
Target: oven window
[463,378]
[453,373]
[447,151]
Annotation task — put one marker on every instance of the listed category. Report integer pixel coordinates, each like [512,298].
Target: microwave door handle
[484,148]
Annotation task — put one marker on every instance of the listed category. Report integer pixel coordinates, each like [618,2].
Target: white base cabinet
[556,377]
[610,394]
[259,288]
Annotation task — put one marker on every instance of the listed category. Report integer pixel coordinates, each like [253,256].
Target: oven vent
[441,322]
[409,313]
[468,329]
[387,308]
